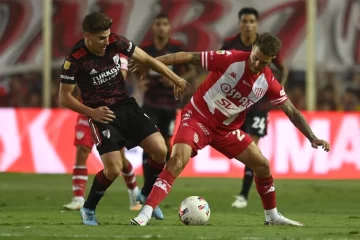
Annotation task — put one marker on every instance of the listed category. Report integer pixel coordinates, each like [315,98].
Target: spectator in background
[297,95]
[350,101]
[326,99]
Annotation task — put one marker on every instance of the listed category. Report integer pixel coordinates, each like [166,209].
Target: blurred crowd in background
[336,91]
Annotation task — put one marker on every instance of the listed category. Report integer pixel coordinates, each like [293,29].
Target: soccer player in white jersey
[218,108]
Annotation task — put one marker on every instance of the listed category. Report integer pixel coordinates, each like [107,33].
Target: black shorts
[163,118]
[256,122]
[129,129]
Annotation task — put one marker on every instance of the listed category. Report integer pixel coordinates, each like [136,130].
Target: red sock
[79,179]
[266,190]
[129,177]
[161,188]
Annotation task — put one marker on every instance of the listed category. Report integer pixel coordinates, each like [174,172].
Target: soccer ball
[194,210]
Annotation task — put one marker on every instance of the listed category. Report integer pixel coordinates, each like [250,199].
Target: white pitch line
[77,236]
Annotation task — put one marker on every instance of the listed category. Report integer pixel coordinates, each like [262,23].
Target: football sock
[151,172]
[129,176]
[79,179]
[98,188]
[266,190]
[161,188]
[247,182]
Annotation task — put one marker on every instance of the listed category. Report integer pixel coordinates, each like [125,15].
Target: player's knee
[175,165]
[113,171]
[158,153]
[82,153]
[262,168]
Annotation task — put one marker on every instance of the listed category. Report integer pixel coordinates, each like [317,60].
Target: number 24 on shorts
[259,123]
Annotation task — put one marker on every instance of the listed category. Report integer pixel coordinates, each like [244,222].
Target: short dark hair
[268,44]
[162,15]
[96,22]
[249,10]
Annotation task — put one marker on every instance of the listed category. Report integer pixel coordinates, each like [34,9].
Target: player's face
[258,61]
[161,28]
[248,24]
[98,42]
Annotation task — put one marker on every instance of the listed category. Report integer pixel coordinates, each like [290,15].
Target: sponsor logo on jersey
[66,77]
[232,92]
[103,77]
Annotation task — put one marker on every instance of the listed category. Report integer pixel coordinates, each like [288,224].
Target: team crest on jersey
[106,133]
[79,135]
[116,59]
[259,92]
[67,65]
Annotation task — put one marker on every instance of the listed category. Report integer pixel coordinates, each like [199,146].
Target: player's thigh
[155,146]
[193,132]
[252,157]
[256,123]
[232,143]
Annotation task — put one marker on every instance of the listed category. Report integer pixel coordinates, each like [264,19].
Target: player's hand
[138,68]
[179,88]
[103,115]
[321,143]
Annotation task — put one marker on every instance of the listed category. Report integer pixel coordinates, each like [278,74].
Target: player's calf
[180,157]
[155,148]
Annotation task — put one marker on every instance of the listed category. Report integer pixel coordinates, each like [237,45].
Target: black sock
[151,172]
[98,188]
[247,182]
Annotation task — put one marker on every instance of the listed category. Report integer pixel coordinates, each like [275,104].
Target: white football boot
[76,204]
[240,202]
[281,220]
[134,204]
[143,217]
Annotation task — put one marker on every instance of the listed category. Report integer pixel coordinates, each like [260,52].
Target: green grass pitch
[31,208]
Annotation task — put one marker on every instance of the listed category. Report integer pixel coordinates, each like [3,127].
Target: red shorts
[83,135]
[194,131]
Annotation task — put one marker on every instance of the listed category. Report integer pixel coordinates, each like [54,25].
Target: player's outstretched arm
[143,58]
[193,58]
[300,122]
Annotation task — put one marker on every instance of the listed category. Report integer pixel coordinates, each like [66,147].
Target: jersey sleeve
[124,62]
[69,71]
[123,45]
[276,93]
[217,60]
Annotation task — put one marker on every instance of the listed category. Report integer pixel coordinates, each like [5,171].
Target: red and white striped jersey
[231,88]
